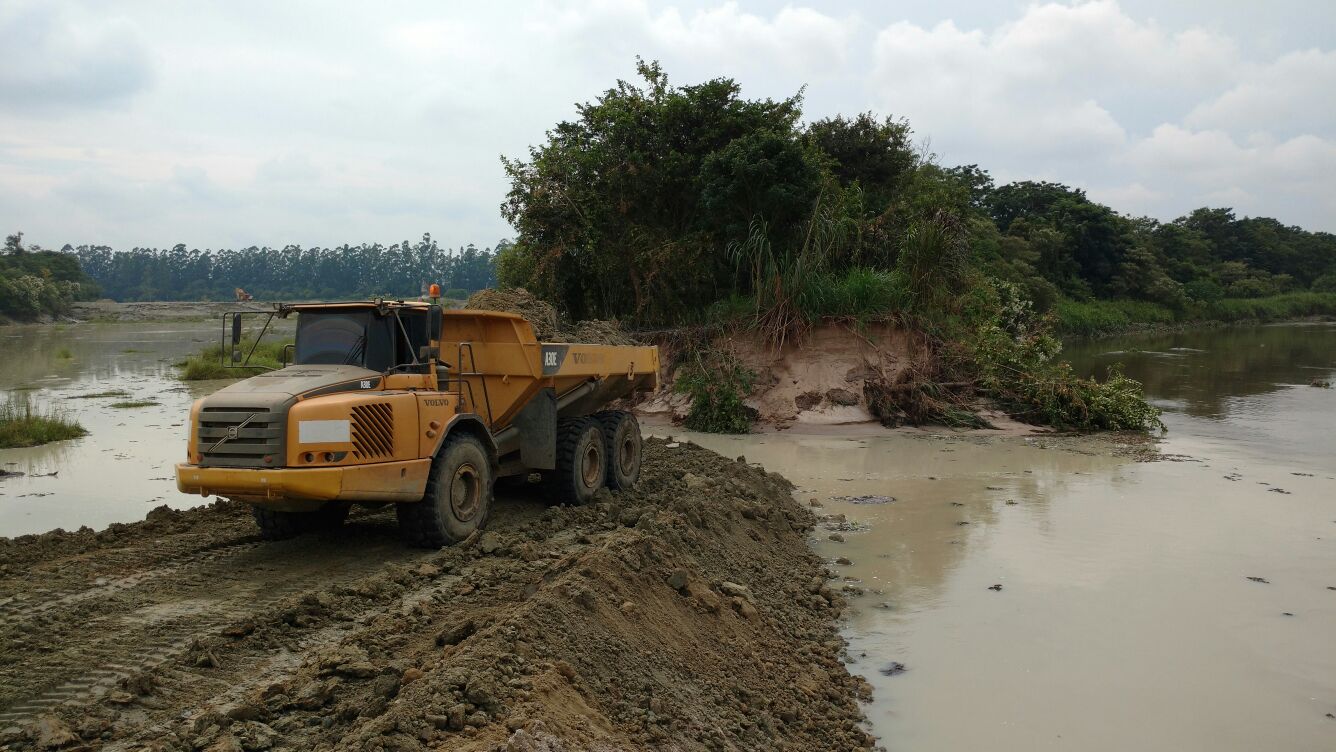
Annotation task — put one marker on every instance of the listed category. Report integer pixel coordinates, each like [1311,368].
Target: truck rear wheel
[621,431]
[458,498]
[276,525]
[581,462]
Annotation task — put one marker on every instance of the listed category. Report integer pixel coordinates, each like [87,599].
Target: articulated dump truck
[406,403]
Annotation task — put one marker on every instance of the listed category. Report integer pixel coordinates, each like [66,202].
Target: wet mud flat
[687,614]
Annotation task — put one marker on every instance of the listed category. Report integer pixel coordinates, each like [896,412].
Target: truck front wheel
[581,462]
[621,430]
[458,499]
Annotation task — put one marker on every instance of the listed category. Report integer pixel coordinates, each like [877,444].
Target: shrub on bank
[209,364]
[717,384]
[22,425]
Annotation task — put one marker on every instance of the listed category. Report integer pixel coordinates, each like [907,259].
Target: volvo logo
[232,432]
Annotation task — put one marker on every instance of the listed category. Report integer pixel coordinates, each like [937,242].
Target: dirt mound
[519,300]
[548,324]
[686,614]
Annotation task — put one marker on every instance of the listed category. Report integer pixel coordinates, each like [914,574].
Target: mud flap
[537,424]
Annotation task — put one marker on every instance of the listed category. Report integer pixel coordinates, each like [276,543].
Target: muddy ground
[687,614]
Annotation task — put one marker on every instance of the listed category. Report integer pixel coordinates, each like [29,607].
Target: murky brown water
[123,467]
[1126,619]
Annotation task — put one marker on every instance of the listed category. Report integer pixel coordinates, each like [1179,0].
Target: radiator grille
[373,430]
[254,433]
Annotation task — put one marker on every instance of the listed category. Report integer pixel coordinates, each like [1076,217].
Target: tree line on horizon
[291,272]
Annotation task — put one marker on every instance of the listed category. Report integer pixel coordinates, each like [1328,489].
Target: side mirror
[236,339]
[434,323]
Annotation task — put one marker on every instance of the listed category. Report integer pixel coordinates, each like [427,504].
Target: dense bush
[34,281]
[717,384]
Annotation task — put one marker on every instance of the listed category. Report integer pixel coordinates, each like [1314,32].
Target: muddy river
[1016,593]
[1058,594]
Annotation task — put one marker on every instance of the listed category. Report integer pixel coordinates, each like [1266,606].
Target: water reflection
[1239,391]
[1206,372]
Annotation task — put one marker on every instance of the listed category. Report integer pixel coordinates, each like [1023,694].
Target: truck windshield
[332,338]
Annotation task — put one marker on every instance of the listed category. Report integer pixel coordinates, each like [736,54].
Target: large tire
[276,525]
[581,462]
[621,432]
[458,498]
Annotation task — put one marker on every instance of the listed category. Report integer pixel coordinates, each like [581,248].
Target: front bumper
[382,481]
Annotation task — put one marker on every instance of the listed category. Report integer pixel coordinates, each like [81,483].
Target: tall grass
[1101,317]
[22,425]
[1098,317]
[209,363]
[1293,305]
[781,278]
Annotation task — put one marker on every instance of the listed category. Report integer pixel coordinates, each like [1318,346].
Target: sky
[228,124]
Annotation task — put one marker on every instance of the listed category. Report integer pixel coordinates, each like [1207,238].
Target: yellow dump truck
[407,403]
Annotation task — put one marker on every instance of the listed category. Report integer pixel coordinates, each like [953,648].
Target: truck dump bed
[499,366]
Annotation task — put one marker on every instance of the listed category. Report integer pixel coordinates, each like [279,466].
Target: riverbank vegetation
[35,282]
[668,205]
[209,363]
[1093,318]
[24,425]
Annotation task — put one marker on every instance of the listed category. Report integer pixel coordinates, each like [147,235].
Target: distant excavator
[242,295]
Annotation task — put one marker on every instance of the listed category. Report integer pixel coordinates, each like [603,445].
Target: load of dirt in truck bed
[687,614]
[548,324]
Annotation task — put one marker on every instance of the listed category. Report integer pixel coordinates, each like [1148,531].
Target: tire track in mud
[250,672]
[156,618]
[14,611]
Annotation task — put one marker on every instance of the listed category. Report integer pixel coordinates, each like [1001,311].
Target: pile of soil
[518,300]
[688,613]
[548,324]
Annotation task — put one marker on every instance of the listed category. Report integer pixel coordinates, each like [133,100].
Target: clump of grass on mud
[22,425]
[64,353]
[100,395]
[129,404]
[209,364]
[717,383]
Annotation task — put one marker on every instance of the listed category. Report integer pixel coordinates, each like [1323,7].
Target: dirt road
[688,614]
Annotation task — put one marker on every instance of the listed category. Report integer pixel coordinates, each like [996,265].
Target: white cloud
[1292,95]
[1148,119]
[799,39]
[58,58]
[214,123]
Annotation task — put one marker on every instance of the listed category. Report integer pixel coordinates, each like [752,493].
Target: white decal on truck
[322,431]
